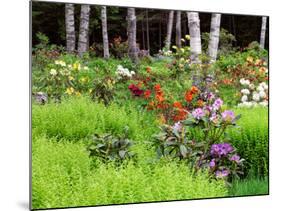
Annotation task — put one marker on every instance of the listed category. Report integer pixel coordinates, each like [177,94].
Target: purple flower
[212,163]
[214,117]
[177,126]
[235,158]
[198,113]
[228,116]
[217,104]
[222,173]
[210,96]
[220,150]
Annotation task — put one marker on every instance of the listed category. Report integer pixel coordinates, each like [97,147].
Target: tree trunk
[178,29]
[83,43]
[70,28]
[169,30]
[147,31]
[263,30]
[143,35]
[160,32]
[214,36]
[104,32]
[132,26]
[195,37]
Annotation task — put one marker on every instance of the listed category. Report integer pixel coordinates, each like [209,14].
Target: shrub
[62,176]
[79,117]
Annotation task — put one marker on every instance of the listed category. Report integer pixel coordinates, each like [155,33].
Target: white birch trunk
[195,37]
[70,28]
[214,37]
[132,27]
[104,32]
[263,30]
[169,30]
[83,43]
[178,29]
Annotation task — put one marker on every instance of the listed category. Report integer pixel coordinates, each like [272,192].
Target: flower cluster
[224,161]
[135,90]
[122,72]
[253,95]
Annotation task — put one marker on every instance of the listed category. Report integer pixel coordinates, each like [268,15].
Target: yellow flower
[86,68]
[90,90]
[187,37]
[78,94]
[53,72]
[258,62]
[183,40]
[70,78]
[182,50]
[76,66]
[83,80]
[250,59]
[69,91]
[174,47]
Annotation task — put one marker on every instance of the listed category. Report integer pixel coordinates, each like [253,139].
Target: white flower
[122,72]
[260,88]
[133,73]
[53,72]
[245,91]
[244,98]
[244,82]
[256,96]
[264,85]
[252,86]
[86,68]
[262,94]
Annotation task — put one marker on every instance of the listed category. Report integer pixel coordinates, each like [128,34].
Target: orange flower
[159,98]
[157,87]
[200,103]
[147,94]
[180,115]
[139,85]
[194,90]
[177,104]
[148,69]
[188,96]
[151,105]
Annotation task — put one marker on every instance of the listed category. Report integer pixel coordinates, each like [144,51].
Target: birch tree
[195,37]
[169,30]
[70,28]
[132,27]
[178,29]
[263,30]
[83,43]
[104,32]
[214,36]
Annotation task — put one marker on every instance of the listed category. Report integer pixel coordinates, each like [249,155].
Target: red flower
[157,87]
[194,90]
[147,94]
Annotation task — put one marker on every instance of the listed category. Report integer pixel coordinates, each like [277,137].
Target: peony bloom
[198,113]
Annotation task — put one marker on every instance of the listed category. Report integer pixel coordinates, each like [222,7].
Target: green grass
[251,139]
[63,175]
[251,186]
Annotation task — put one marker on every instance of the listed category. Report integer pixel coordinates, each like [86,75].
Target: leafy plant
[109,147]
[174,141]
[103,90]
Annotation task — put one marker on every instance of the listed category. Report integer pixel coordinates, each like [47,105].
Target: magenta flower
[228,116]
[212,163]
[177,126]
[217,104]
[220,150]
[235,158]
[222,173]
[198,113]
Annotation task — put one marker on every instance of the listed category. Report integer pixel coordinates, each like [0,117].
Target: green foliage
[108,147]
[249,186]
[63,176]
[103,90]
[176,143]
[79,118]
[251,139]
[225,44]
